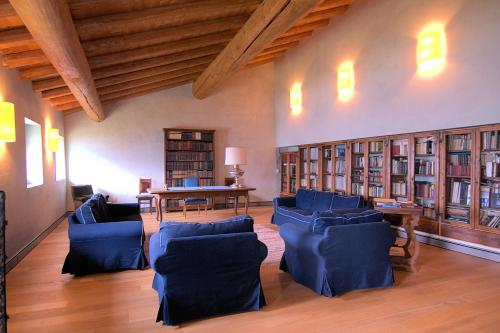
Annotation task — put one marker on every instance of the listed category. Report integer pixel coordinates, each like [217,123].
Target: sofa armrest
[104,231]
[300,238]
[117,210]
[284,201]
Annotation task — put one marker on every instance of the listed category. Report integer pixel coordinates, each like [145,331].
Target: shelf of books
[399,173]
[376,168]
[326,168]
[489,189]
[425,173]
[358,168]
[188,154]
[303,167]
[457,177]
[339,175]
[288,173]
[309,167]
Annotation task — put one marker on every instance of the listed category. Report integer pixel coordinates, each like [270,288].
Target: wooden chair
[228,181]
[144,185]
[193,182]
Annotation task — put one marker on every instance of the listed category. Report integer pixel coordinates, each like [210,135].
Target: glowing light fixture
[296,99]
[345,81]
[53,140]
[7,122]
[431,50]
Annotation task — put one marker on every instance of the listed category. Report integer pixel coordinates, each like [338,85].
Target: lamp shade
[53,139]
[7,122]
[236,155]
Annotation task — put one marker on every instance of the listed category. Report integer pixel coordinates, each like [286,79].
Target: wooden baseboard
[473,249]
[15,259]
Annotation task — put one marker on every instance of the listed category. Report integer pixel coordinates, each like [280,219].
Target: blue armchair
[206,269]
[339,255]
[104,237]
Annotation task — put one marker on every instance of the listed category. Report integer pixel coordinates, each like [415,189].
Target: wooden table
[410,219]
[199,192]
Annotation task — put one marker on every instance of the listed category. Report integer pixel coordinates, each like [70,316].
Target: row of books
[190,156]
[425,146]
[399,167]
[328,166]
[490,165]
[178,182]
[375,191]
[458,170]
[327,153]
[189,173]
[429,212]
[340,151]
[399,148]
[357,189]
[357,176]
[457,214]
[205,165]
[376,147]
[359,162]
[460,192]
[313,153]
[339,166]
[340,183]
[458,142]
[399,188]
[204,136]
[376,161]
[327,181]
[459,159]
[425,190]
[491,140]
[425,167]
[375,177]
[358,147]
[489,195]
[190,145]
[490,218]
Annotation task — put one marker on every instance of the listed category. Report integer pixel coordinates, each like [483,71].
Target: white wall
[129,143]
[29,211]
[380,37]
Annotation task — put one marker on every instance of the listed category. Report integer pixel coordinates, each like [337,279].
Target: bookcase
[189,153]
[453,174]
[288,169]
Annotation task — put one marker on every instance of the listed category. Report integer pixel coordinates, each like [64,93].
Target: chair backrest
[144,184]
[190,182]
[81,190]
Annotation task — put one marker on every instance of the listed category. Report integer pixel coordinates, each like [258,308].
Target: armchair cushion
[88,212]
[347,201]
[323,220]
[102,206]
[304,199]
[284,201]
[237,224]
[322,201]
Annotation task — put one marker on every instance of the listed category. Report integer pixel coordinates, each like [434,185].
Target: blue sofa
[300,208]
[206,269]
[104,237]
[337,254]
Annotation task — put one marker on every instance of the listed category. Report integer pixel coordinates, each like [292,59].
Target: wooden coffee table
[410,219]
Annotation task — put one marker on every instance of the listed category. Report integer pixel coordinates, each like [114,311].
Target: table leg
[161,209]
[411,247]
[157,208]
[236,205]
[246,204]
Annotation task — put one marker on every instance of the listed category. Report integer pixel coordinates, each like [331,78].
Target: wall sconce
[7,122]
[53,140]
[431,50]
[296,99]
[345,81]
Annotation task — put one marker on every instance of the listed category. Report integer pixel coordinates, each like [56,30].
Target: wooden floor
[451,292]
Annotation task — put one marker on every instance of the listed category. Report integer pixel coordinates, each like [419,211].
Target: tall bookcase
[376,168]
[326,167]
[340,167]
[288,173]
[309,167]
[357,168]
[399,172]
[189,153]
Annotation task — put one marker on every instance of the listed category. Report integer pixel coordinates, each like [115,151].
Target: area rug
[274,243]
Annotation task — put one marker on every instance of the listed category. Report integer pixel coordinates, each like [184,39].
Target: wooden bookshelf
[428,165]
[289,173]
[189,153]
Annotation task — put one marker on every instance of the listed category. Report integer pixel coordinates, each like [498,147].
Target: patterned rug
[274,243]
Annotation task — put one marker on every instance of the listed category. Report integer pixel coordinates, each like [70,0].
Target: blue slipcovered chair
[339,254]
[193,182]
[206,269]
[104,237]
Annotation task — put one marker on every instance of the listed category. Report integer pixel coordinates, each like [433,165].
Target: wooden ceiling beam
[161,17]
[153,37]
[26,58]
[112,80]
[68,106]
[261,62]
[279,48]
[297,29]
[289,39]
[52,28]
[329,4]
[38,72]
[16,40]
[268,56]
[196,70]
[322,15]
[8,16]
[159,50]
[271,19]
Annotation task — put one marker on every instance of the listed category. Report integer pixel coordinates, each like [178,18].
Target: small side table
[410,218]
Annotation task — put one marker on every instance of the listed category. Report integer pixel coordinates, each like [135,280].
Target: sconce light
[7,122]
[296,99]
[345,81]
[431,50]
[53,140]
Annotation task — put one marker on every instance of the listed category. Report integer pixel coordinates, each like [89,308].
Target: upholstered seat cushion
[237,224]
[195,200]
[88,212]
[322,220]
[130,217]
[304,199]
[347,201]
[322,201]
[302,215]
[144,196]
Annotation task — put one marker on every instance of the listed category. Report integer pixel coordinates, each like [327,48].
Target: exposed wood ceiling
[135,47]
